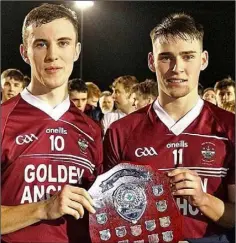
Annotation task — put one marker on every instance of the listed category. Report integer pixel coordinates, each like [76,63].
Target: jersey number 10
[57,143]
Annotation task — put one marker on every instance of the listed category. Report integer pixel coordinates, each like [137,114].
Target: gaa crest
[167,236]
[150,225]
[157,190]
[136,230]
[164,221]
[105,234]
[121,231]
[153,238]
[208,151]
[83,144]
[101,218]
[161,206]
[130,201]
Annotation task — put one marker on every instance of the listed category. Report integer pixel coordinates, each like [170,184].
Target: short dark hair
[146,89]
[224,83]
[13,73]
[46,13]
[78,85]
[178,25]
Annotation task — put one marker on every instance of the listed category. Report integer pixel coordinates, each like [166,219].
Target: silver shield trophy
[134,204]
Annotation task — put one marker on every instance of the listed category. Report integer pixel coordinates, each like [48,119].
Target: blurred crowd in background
[123,96]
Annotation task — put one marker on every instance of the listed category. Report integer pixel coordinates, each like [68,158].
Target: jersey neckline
[177,127]
[54,112]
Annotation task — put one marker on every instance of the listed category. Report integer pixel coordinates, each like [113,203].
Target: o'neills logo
[59,130]
[180,144]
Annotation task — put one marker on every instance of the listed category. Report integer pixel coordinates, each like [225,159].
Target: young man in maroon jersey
[51,152]
[192,141]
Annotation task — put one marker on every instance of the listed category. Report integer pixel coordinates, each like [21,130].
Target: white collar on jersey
[179,126]
[55,113]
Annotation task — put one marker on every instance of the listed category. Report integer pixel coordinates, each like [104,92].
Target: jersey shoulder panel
[6,110]
[224,119]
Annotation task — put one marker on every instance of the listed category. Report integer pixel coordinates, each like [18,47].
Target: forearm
[14,218]
[218,211]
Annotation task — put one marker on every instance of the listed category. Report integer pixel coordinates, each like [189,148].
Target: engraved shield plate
[136,230]
[134,204]
[130,201]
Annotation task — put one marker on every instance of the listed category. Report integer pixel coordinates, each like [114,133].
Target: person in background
[94,94]
[209,95]
[106,102]
[92,109]
[144,93]
[12,83]
[225,91]
[78,92]
[123,100]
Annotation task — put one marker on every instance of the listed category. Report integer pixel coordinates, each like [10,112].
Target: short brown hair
[178,25]
[13,73]
[224,83]
[127,81]
[93,90]
[146,89]
[46,13]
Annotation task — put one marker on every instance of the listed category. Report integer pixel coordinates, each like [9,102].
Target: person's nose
[52,53]
[178,65]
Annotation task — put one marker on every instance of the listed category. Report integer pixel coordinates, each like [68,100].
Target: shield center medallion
[130,201]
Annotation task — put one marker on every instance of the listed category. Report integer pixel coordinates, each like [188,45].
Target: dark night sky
[116,37]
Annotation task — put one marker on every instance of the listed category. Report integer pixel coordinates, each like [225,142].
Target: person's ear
[151,64]
[205,59]
[77,51]
[23,53]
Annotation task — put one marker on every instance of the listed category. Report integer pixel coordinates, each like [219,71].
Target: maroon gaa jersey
[203,141]
[42,150]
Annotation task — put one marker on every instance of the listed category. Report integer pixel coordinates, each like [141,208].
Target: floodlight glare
[84,4]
